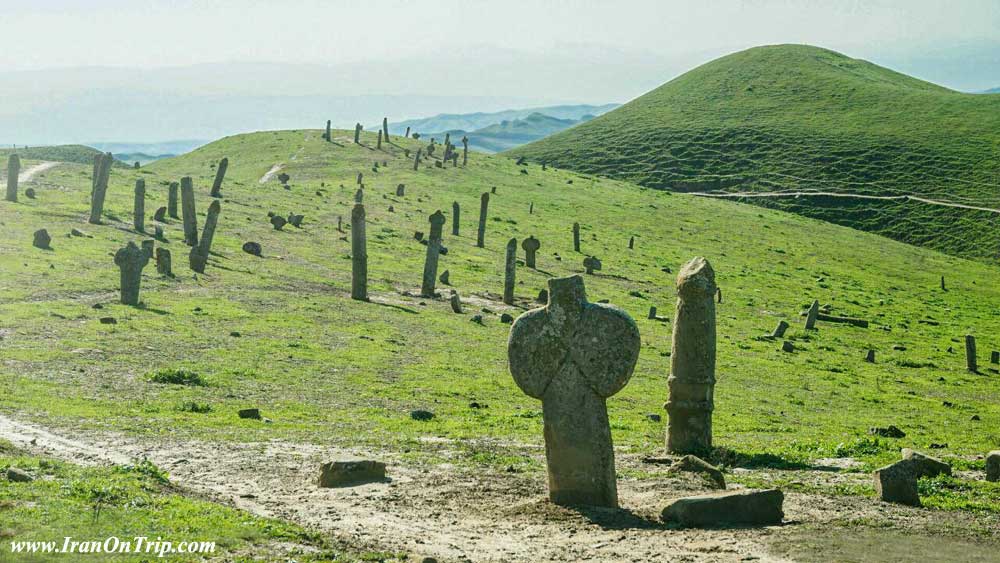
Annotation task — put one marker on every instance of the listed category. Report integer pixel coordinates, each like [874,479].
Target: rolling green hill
[280,332]
[794,118]
[79,154]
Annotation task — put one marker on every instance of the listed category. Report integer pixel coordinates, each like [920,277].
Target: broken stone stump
[359,254]
[160,215]
[993,466]
[253,248]
[249,414]
[456,302]
[509,272]
[787,346]
[591,264]
[573,355]
[652,313]
[692,361]
[130,261]
[779,331]
[42,240]
[694,464]
[870,356]
[163,266]
[745,508]
[897,483]
[351,473]
[445,278]
[995,357]
[401,190]
[530,246]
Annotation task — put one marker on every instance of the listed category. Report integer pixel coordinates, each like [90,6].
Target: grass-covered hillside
[79,154]
[795,118]
[280,332]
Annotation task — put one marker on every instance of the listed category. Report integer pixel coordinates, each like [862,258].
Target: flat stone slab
[756,508]
[17,475]
[351,473]
[925,465]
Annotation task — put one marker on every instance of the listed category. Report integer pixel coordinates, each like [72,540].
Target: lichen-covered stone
[130,261]
[13,173]
[188,211]
[692,368]
[220,175]
[572,355]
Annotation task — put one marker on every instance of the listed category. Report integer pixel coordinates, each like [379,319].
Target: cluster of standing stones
[570,354]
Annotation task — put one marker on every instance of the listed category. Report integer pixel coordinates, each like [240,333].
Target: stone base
[756,508]
[898,483]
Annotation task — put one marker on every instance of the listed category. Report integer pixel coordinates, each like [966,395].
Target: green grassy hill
[280,332]
[58,153]
[794,118]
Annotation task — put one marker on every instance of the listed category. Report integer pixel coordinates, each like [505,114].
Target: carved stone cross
[573,355]
[530,246]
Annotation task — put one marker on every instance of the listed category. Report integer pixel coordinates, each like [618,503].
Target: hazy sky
[58,33]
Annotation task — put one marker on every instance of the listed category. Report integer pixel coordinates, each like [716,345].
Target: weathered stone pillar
[359,196]
[130,261]
[13,171]
[99,185]
[970,353]
[484,203]
[220,175]
[359,254]
[779,331]
[328,135]
[416,159]
[465,150]
[433,249]
[407,135]
[163,262]
[198,257]
[357,133]
[379,145]
[455,212]
[456,302]
[139,206]
[188,211]
[573,355]
[509,271]
[401,190]
[576,237]
[631,243]
[692,369]
[530,246]
[385,128]
[172,200]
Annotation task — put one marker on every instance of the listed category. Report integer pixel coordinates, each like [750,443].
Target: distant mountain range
[502,130]
[991,91]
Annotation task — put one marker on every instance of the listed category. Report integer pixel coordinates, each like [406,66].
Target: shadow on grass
[731,458]
[397,307]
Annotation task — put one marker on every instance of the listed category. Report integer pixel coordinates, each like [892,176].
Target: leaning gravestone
[484,204]
[220,175]
[509,271]
[433,249]
[99,185]
[359,253]
[188,211]
[572,355]
[130,261]
[198,257]
[779,331]
[692,361]
[455,211]
[530,246]
[160,215]
[812,315]
[13,171]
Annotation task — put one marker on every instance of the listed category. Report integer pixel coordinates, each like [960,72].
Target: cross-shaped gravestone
[530,246]
[591,263]
[131,260]
[573,355]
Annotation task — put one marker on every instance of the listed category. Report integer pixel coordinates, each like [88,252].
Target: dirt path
[28,174]
[457,514]
[845,195]
[270,173]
